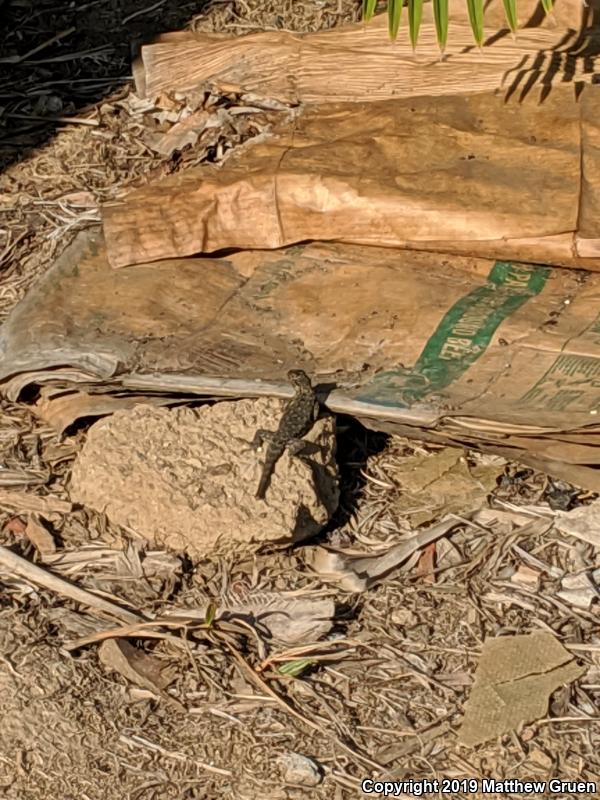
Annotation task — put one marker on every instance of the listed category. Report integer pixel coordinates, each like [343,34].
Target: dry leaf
[501,520]
[397,752]
[300,770]
[138,667]
[15,526]
[582,523]
[426,564]
[527,577]
[22,477]
[538,758]
[80,199]
[358,573]
[39,536]
[289,620]
[578,590]
[182,134]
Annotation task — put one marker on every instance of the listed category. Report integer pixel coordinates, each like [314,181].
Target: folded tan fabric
[493,355]
[471,175]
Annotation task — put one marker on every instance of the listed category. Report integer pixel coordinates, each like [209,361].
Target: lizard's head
[298,378]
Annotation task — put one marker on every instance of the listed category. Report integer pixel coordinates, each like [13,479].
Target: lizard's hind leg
[296,447]
[300,448]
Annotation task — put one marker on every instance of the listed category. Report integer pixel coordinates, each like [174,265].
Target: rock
[299,770]
[186,478]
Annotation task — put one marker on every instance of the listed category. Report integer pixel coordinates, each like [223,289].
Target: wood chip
[39,536]
[527,577]
[47,506]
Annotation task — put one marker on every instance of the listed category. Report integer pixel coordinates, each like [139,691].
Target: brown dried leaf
[183,134]
[39,536]
[137,667]
[15,526]
[426,564]
[356,574]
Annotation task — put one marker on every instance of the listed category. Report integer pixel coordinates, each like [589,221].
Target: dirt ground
[384,693]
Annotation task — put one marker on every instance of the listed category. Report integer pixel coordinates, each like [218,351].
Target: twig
[138,741]
[550,720]
[11,246]
[71,120]
[19,59]
[30,572]
[264,686]
[140,628]
[143,11]
[94,51]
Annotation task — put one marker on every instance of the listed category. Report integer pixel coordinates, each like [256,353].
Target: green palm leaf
[369,7]
[415,12]
[440,15]
[510,9]
[294,668]
[475,8]
[209,617]
[394,13]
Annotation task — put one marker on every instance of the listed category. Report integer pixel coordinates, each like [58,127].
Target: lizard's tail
[267,471]
[263,485]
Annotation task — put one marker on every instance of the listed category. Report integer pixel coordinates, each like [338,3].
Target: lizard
[299,415]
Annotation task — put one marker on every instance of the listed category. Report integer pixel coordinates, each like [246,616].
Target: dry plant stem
[264,686]
[145,629]
[30,572]
[138,741]
[25,501]
[73,120]
[139,628]
[29,53]
[312,652]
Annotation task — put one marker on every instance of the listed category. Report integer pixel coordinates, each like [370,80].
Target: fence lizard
[298,417]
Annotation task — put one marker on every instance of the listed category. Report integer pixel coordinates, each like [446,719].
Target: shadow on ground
[355,445]
[575,46]
[58,59]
